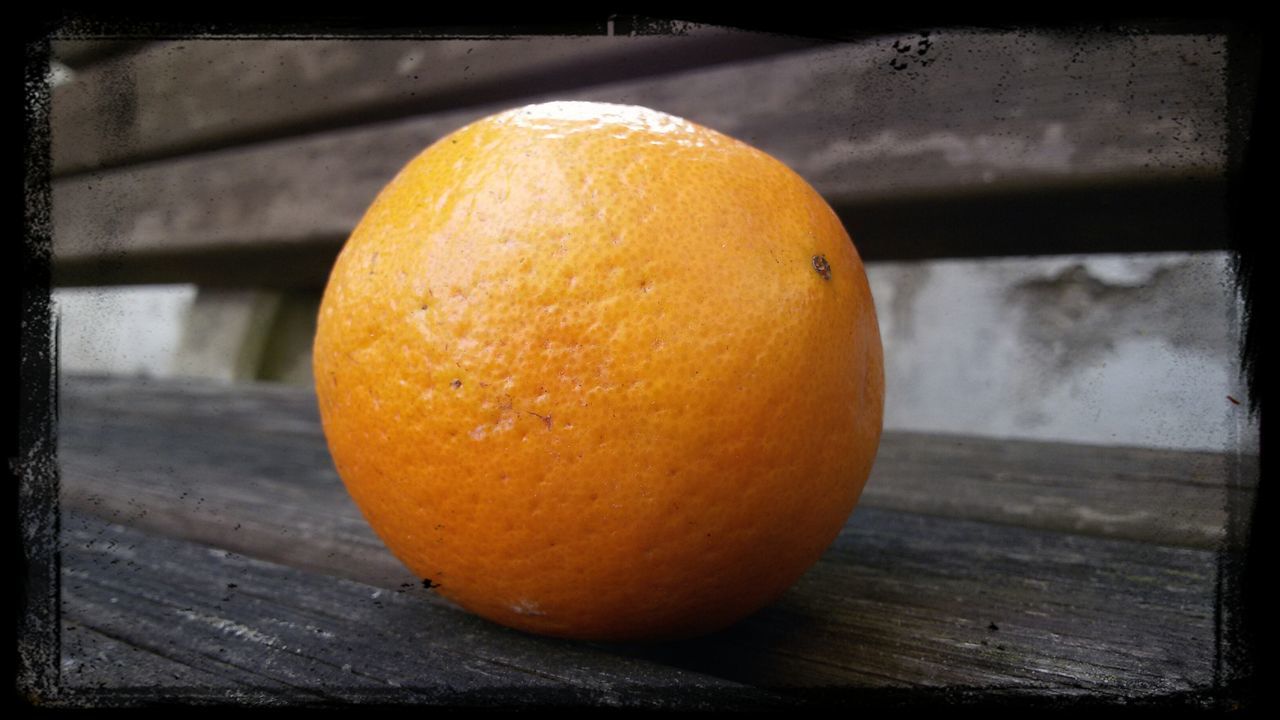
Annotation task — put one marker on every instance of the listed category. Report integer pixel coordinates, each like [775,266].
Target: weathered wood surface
[82,53]
[199,93]
[1154,496]
[161,481]
[988,120]
[219,620]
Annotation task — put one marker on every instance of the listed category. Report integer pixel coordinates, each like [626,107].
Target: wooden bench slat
[264,625]
[902,599]
[182,95]
[135,431]
[997,115]
[91,658]
[1149,495]
[82,53]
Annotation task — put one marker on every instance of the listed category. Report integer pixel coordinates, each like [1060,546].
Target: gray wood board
[198,93]
[901,600]
[122,440]
[991,117]
[910,600]
[153,614]
[1110,217]
[80,54]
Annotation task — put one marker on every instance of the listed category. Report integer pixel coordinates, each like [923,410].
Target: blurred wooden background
[238,167]
[247,162]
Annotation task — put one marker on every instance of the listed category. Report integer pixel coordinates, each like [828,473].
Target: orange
[600,372]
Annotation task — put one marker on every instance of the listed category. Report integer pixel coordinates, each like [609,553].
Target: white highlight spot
[559,119]
[527,607]
[236,629]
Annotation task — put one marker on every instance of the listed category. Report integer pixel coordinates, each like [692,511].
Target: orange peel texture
[600,372]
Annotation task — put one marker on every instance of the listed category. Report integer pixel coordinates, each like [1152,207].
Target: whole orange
[599,372]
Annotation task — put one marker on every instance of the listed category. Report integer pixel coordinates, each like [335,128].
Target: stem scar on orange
[600,372]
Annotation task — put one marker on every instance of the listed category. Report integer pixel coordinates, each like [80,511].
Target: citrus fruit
[595,371]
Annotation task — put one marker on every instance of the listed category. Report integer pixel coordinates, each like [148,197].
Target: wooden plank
[123,440]
[900,601]
[195,93]
[82,53]
[994,119]
[235,622]
[1150,495]
[93,660]
[904,599]
[1106,218]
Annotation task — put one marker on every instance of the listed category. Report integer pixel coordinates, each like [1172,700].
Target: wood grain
[901,600]
[122,440]
[147,613]
[82,53]
[904,600]
[942,599]
[200,93]
[993,116]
